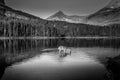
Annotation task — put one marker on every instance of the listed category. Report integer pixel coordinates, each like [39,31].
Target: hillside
[8,12]
[110,14]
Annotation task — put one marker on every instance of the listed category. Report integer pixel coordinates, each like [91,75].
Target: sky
[45,8]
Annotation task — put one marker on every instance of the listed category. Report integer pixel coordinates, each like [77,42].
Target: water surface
[39,59]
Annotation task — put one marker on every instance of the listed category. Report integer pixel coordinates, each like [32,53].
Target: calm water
[39,59]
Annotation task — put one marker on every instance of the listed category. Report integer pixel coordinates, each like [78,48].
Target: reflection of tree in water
[3,66]
[61,41]
[13,51]
[17,46]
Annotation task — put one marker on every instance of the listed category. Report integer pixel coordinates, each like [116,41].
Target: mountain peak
[59,14]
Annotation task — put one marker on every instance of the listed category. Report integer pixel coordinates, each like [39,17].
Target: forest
[44,28]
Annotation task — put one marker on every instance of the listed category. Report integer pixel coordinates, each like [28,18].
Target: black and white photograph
[59,39]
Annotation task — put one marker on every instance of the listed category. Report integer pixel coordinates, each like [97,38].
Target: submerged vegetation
[44,28]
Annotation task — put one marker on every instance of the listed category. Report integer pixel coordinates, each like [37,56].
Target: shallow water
[85,63]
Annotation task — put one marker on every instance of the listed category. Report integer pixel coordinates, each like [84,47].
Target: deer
[64,51]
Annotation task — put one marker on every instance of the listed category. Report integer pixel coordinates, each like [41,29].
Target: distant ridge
[8,12]
[110,14]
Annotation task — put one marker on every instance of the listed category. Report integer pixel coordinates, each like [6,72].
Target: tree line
[40,28]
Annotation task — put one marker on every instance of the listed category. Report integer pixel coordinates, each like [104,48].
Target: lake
[38,59]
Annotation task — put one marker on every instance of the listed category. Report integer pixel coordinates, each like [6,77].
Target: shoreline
[3,38]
